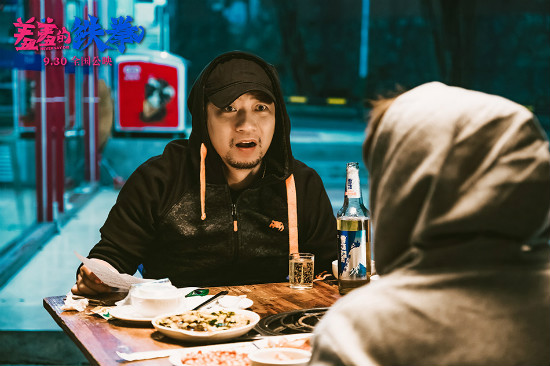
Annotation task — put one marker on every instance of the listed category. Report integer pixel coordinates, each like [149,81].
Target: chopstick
[219,294]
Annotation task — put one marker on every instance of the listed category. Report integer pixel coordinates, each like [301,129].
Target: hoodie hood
[278,159]
[458,178]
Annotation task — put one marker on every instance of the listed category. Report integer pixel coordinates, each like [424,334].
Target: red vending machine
[150,93]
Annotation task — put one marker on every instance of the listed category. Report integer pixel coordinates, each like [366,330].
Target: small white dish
[235,302]
[128,313]
[207,336]
[298,341]
[225,302]
[279,357]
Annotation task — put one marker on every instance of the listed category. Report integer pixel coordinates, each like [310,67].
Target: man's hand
[87,282]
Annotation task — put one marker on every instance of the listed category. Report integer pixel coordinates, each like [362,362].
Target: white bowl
[152,303]
[207,336]
[279,357]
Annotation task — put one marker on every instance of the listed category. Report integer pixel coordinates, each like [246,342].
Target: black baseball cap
[232,78]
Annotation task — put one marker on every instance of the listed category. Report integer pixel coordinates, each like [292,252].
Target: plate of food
[279,357]
[214,355]
[206,326]
[247,353]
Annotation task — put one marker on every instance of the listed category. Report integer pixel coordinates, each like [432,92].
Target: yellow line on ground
[337,101]
[297,99]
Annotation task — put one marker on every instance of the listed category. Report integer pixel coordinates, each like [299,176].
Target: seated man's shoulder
[165,166]
[173,152]
[175,148]
[177,144]
[160,173]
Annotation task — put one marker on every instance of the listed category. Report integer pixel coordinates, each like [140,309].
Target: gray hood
[458,178]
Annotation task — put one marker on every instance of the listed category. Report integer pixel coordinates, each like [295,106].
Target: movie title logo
[43,35]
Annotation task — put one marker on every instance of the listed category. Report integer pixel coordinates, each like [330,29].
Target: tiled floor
[52,269]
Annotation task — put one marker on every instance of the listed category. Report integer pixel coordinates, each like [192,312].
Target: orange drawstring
[292,215]
[203,181]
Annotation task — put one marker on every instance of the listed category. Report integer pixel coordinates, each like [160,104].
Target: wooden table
[98,338]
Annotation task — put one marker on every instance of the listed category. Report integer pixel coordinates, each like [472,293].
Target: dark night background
[499,47]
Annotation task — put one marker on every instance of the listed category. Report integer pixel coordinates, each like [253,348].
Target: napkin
[122,281]
[72,303]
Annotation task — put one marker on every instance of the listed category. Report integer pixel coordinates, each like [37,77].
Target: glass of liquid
[300,268]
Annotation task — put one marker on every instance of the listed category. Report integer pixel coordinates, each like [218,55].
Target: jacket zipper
[234,214]
[235,233]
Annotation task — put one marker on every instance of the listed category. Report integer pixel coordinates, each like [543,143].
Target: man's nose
[246,121]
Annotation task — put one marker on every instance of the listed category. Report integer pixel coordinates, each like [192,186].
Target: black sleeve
[316,221]
[130,228]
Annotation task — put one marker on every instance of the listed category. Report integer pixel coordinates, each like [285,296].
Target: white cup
[156,300]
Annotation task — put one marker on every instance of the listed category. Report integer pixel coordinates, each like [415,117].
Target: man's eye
[262,107]
[229,108]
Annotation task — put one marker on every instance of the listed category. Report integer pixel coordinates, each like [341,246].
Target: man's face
[242,132]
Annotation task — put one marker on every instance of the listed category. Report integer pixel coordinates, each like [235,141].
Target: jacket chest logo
[277,225]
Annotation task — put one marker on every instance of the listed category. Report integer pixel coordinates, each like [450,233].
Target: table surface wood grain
[98,338]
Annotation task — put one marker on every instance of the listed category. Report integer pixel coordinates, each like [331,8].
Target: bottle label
[352,188]
[353,254]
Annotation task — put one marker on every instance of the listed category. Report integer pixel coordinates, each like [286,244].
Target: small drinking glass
[300,268]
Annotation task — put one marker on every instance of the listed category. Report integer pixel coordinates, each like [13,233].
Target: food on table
[299,343]
[280,356]
[216,358]
[205,321]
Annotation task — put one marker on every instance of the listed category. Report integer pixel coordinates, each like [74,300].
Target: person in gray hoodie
[460,199]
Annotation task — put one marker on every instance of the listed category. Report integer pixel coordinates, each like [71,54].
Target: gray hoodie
[460,199]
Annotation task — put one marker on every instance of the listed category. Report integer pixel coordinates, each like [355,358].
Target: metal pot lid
[292,322]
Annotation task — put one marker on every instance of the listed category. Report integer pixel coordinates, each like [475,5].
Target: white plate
[225,302]
[235,302]
[130,314]
[212,336]
[279,356]
[243,347]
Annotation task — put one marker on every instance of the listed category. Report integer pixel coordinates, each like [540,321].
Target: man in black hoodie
[228,205]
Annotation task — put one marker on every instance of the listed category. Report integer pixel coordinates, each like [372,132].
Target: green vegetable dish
[204,321]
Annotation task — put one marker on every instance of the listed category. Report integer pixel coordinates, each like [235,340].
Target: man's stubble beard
[244,165]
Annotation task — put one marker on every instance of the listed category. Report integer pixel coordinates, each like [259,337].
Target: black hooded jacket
[159,220]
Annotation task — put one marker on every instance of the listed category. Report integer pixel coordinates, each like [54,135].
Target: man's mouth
[246,144]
